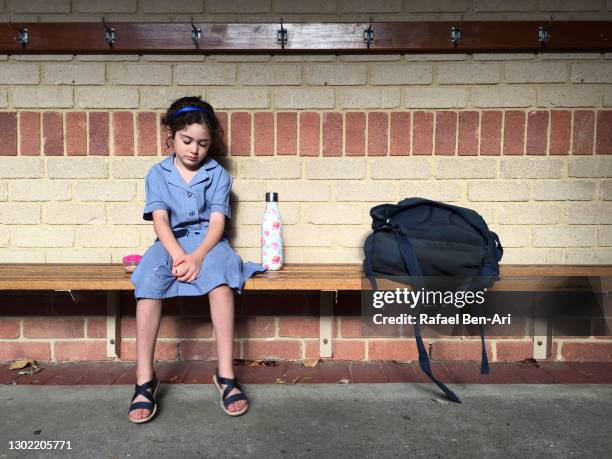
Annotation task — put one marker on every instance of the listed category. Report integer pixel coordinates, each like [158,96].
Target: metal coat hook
[456,33]
[23,38]
[368,34]
[196,34]
[110,33]
[281,35]
[543,33]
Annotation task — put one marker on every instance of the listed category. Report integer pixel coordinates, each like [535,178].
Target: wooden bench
[328,279]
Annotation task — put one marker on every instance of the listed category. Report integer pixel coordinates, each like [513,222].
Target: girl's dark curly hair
[208,118]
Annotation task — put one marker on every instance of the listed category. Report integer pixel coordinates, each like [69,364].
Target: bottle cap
[271,197]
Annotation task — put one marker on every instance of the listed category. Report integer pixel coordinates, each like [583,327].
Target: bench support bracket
[113,324]
[327,301]
[542,338]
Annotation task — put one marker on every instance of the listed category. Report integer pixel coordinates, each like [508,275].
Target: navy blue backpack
[419,239]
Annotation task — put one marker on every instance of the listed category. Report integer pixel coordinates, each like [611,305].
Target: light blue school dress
[189,207]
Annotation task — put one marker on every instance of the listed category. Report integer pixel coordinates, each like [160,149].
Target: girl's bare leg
[222,313]
[148,316]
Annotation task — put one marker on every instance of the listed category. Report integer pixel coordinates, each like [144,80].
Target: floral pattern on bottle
[271,238]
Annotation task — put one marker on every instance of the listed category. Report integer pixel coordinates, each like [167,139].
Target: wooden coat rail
[311,38]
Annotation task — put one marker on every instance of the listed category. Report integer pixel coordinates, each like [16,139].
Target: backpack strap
[412,265]
[367,263]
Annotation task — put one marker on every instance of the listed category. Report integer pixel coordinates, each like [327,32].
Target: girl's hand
[187,267]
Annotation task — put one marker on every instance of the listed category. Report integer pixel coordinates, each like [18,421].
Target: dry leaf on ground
[311,362]
[19,364]
[344,381]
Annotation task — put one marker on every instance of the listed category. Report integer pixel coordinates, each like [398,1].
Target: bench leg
[326,322]
[113,324]
[542,338]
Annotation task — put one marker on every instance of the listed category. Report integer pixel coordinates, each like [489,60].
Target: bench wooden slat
[307,277]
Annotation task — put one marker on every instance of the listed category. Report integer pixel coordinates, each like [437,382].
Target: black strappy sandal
[151,405]
[225,401]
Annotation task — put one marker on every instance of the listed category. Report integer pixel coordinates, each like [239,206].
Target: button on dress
[189,208]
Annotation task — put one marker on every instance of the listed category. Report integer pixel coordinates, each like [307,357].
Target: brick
[69,168]
[139,74]
[404,349]
[590,167]
[164,350]
[584,132]
[531,168]
[238,98]
[605,191]
[40,6]
[8,134]
[11,214]
[401,74]
[334,214]
[332,134]
[497,6]
[591,72]
[378,128]
[368,98]
[53,328]
[446,132]
[304,98]
[210,74]
[536,72]
[269,74]
[365,191]
[112,6]
[564,237]
[400,168]
[255,327]
[604,236]
[528,214]
[29,126]
[468,133]
[458,350]
[565,190]
[568,96]
[15,74]
[468,73]
[310,128]
[292,190]
[505,96]
[278,168]
[422,133]
[586,352]
[596,213]
[146,125]
[156,97]
[335,74]
[355,129]
[98,133]
[590,256]
[513,351]
[299,327]
[438,97]
[490,132]
[74,214]
[108,97]
[466,168]
[438,7]
[184,6]
[514,132]
[250,213]
[307,236]
[53,134]
[335,168]
[123,134]
[289,6]
[263,133]
[240,134]
[510,190]
[537,132]
[280,349]
[603,142]
[437,190]
[43,237]
[286,133]
[399,142]
[199,350]
[74,74]
[25,350]
[560,131]
[9,329]
[76,134]
[513,236]
[185,327]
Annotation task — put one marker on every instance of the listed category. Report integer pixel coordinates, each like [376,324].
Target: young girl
[187,198]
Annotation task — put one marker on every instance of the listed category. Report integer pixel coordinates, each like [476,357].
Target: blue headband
[189,109]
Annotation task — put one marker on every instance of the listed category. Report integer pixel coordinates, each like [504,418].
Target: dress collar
[173,176]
